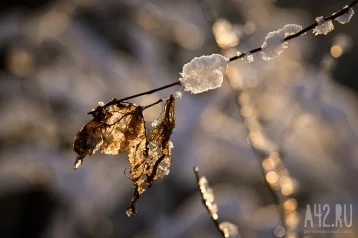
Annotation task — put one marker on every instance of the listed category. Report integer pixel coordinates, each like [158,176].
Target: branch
[302,32]
[242,55]
[226,229]
[115,101]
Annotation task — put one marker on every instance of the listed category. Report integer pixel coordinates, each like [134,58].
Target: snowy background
[60,58]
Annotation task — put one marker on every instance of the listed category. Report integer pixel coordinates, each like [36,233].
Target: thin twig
[152,104]
[216,222]
[115,101]
[242,55]
[302,32]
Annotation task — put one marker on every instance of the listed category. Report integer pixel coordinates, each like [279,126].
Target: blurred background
[58,59]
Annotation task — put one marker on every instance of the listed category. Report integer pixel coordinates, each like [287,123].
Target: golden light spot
[275,156]
[272,177]
[249,28]
[291,235]
[268,164]
[282,172]
[20,61]
[188,36]
[292,219]
[290,205]
[287,185]
[224,34]
[336,51]
[257,139]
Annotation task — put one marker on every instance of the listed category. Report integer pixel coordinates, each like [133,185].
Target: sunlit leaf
[120,126]
[151,158]
[110,131]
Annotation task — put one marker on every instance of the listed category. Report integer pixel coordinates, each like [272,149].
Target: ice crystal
[203,73]
[323,27]
[274,45]
[238,53]
[179,94]
[249,57]
[345,18]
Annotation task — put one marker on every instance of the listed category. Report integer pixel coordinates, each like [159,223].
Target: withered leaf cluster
[120,126]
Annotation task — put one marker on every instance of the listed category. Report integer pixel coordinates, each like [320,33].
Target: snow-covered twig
[342,16]
[226,229]
[334,16]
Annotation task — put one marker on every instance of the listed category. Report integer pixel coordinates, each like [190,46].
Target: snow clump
[203,73]
[274,45]
[323,27]
[345,18]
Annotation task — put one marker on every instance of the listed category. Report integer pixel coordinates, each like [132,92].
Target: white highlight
[274,45]
[203,73]
[178,94]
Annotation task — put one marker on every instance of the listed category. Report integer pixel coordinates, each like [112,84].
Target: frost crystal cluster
[323,27]
[208,196]
[203,73]
[249,57]
[274,45]
[345,18]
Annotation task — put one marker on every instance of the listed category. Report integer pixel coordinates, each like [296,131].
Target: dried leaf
[120,126]
[151,158]
[110,131]
[159,138]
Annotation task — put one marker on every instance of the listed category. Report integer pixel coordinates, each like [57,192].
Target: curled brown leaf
[121,127]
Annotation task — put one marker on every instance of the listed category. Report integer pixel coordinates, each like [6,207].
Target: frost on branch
[121,127]
[323,27]
[227,229]
[345,18]
[203,73]
[208,196]
[274,45]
